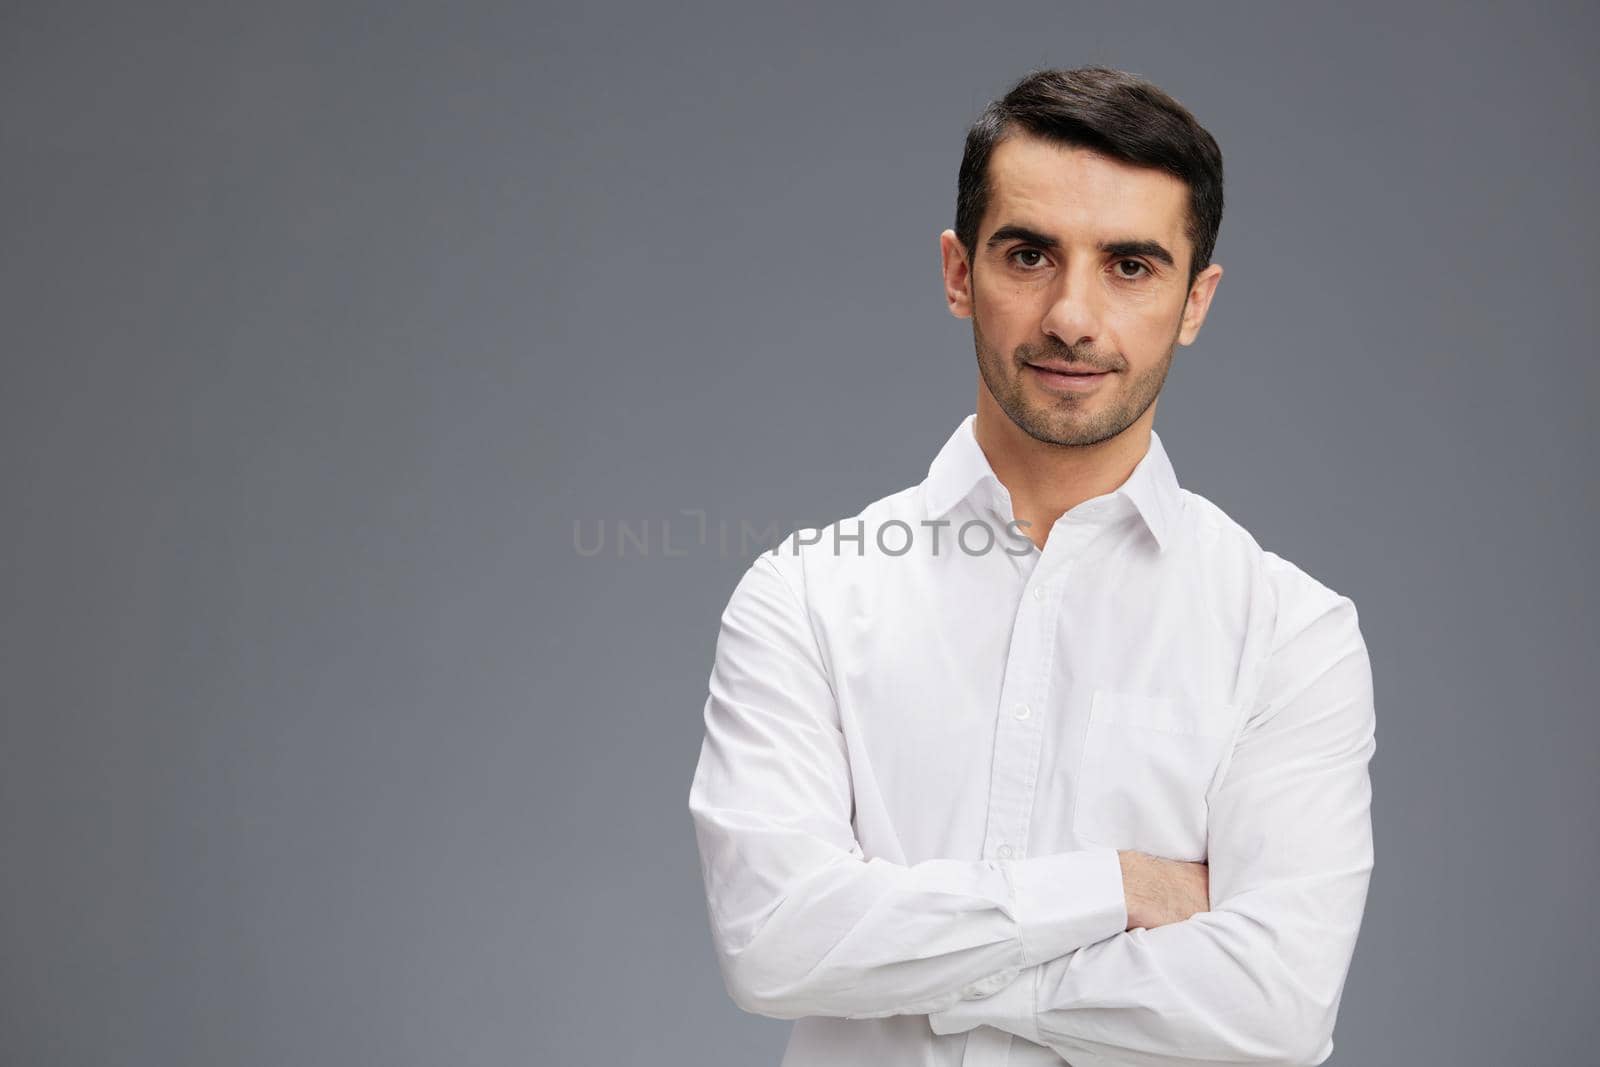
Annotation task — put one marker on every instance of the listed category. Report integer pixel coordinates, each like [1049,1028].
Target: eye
[1026,252]
[1141,271]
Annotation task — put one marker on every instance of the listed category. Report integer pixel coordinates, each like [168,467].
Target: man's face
[1082,263]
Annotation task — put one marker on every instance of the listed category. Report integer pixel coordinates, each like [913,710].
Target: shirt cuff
[1013,1010]
[1067,900]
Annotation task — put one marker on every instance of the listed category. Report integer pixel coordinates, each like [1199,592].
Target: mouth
[1068,379]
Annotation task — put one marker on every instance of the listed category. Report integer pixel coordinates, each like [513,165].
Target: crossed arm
[804,925]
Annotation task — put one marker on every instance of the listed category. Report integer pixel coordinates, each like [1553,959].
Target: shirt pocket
[1148,762]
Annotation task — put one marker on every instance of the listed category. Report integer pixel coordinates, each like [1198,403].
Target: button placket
[1019,736]
[1019,731]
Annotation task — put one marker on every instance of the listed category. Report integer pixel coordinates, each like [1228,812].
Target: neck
[1047,480]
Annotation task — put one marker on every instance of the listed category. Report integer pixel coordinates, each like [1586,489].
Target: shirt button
[1038,592]
[1004,852]
[1022,711]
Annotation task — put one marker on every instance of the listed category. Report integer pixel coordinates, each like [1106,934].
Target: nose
[1073,316]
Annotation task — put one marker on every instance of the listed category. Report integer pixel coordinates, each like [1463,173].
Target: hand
[1161,891]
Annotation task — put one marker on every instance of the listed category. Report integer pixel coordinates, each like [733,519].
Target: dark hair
[1118,114]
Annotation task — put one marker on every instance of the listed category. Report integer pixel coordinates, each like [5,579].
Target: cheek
[1008,313]
[1144,324]
[1020,307]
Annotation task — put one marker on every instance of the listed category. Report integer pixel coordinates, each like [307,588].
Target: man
[1045,759]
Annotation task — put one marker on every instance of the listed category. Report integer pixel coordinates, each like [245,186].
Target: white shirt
[920,760]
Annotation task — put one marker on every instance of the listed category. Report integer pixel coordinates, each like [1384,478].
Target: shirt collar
[961,467]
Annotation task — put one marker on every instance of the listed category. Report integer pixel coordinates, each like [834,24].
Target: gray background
[322,744]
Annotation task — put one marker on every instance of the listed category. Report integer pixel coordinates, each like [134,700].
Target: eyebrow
[1121,247]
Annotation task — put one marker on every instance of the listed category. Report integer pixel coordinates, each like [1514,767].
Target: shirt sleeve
[1258,978]
[802,922]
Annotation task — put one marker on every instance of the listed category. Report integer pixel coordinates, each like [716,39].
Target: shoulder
[1292,623]
[1294,591]
[1302,598]
[1304,636]
[840,551]
[1310,633]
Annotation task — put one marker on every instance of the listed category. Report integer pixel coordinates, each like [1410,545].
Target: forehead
[1076,193]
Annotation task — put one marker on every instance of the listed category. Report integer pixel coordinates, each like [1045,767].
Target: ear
[957,275]
[1198,303]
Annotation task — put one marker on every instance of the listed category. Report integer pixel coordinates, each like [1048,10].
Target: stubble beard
[1067,420]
